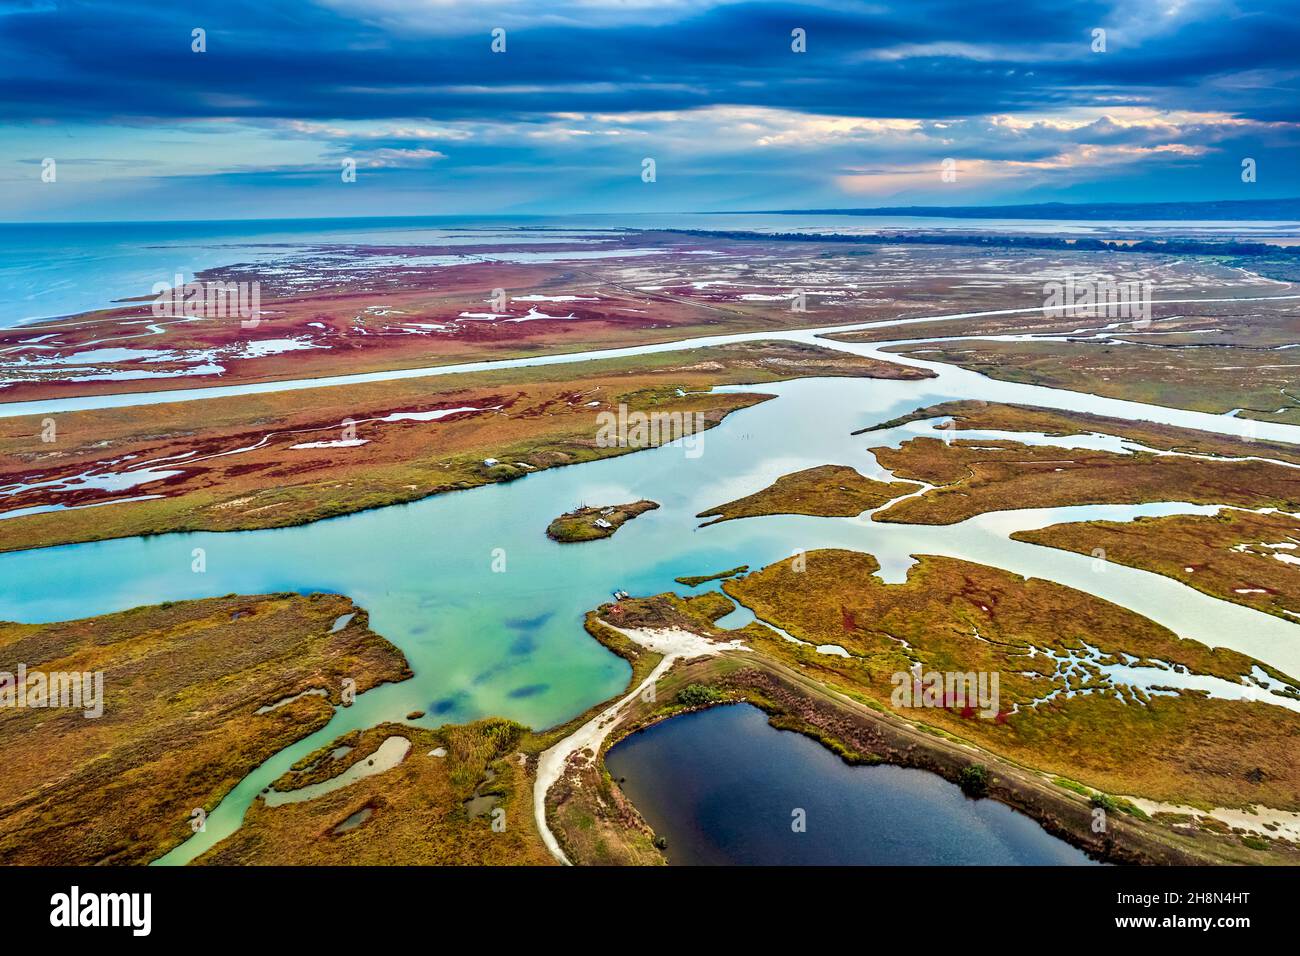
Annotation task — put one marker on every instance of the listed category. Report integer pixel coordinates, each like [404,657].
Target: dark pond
[723,787]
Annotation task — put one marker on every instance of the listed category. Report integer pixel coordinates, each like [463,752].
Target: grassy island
[695,580]
[593,523]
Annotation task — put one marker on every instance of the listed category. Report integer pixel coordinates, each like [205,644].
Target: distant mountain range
[1229,209]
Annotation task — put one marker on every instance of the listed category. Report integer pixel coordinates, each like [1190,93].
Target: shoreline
[553,763]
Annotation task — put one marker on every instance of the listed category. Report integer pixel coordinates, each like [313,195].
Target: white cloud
[388,157]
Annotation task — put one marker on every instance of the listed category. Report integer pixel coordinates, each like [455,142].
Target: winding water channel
[509,643]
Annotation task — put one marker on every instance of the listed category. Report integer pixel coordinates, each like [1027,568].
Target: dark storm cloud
[924,60]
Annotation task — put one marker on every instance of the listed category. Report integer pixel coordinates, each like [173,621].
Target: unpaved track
[675,644]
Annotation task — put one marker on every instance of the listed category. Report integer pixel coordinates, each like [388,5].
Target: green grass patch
[696,580]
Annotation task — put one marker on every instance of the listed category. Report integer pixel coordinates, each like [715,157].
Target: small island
[589,524]
[695,580]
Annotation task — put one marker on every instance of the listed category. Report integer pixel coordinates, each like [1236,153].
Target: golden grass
[183,684]
[1224,555]
[983,476]
[833,491]
[419,810]
[997,416]
[695,580]
[963,617]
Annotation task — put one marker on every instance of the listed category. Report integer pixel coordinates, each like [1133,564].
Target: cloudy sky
[259,124]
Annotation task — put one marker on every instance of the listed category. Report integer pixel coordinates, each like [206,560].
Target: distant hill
[1229,209]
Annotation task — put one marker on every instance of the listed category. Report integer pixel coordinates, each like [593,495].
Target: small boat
[620,595]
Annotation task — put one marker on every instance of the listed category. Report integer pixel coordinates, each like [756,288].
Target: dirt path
[675,645]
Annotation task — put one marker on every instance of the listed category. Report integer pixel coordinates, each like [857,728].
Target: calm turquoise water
[722,786]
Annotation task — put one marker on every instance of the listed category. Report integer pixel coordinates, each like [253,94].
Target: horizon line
[907,210]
